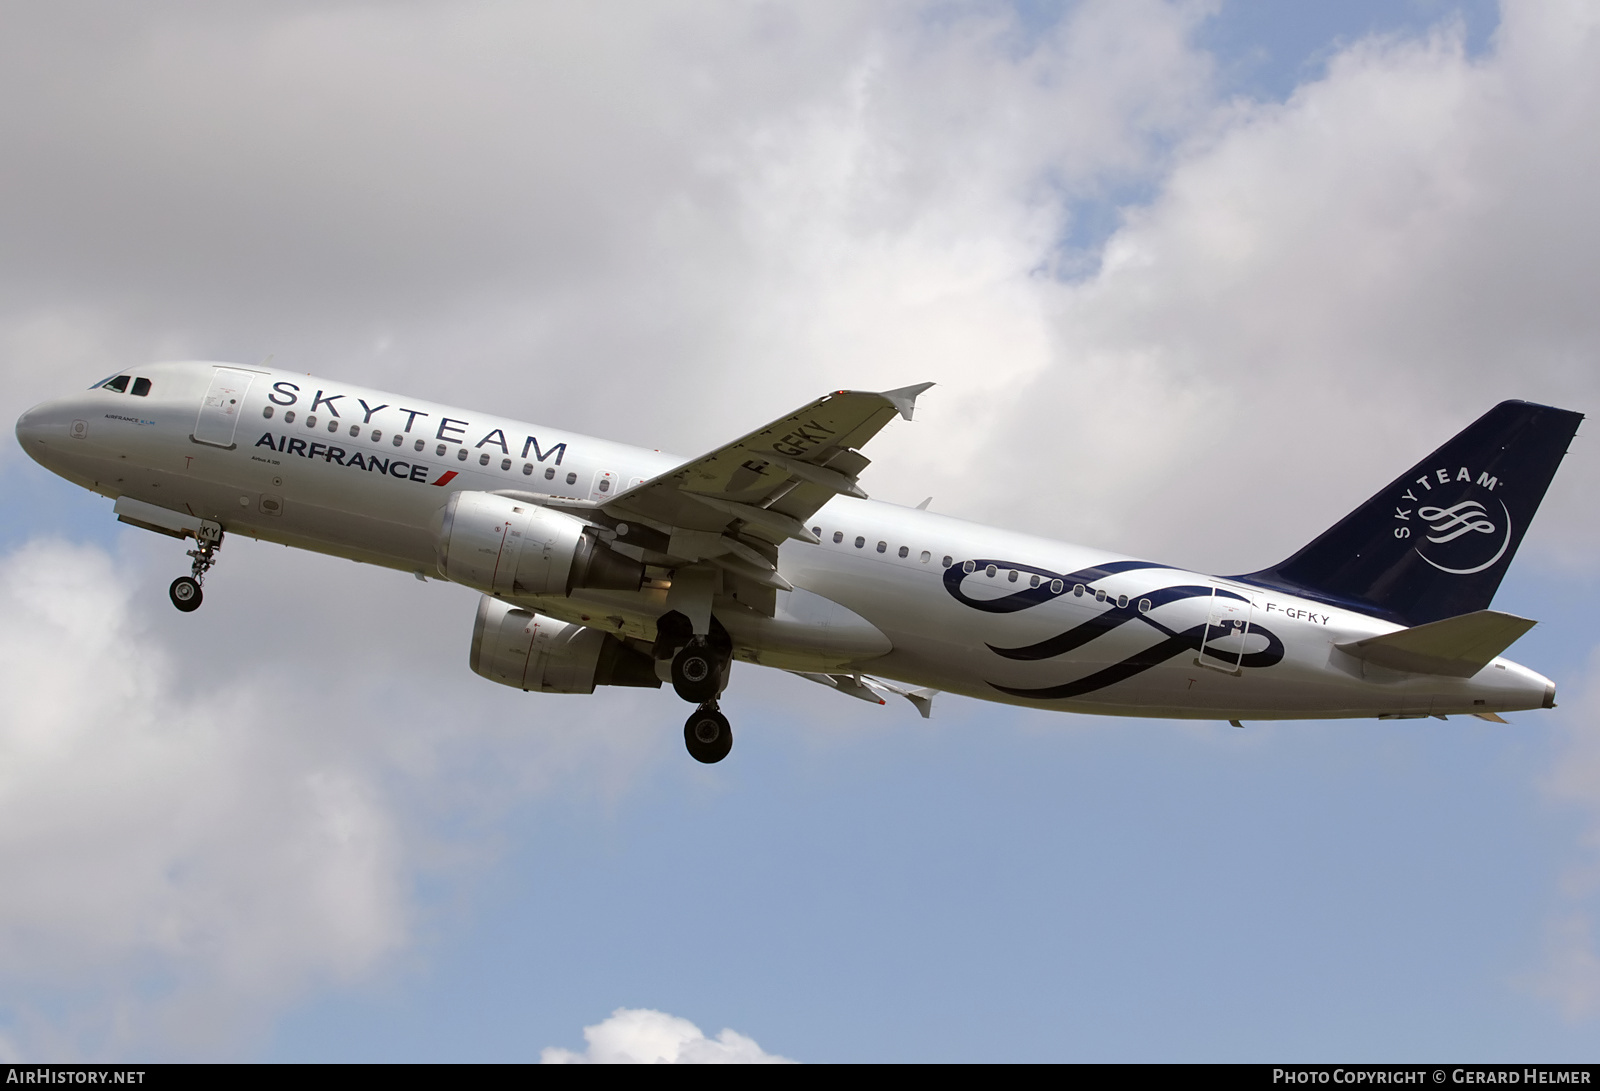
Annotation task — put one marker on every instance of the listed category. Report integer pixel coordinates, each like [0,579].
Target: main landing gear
[185,590]
[699,672]
[707,734]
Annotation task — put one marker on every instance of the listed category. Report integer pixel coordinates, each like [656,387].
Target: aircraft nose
[30,426]
[44,424]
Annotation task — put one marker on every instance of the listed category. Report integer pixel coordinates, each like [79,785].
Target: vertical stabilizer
[1437,541]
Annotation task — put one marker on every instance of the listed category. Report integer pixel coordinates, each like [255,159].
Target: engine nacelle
[511,547]
[519,648]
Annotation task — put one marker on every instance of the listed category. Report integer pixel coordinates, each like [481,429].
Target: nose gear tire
[185,594]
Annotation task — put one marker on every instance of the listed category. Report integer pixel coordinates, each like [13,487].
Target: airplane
[601,564]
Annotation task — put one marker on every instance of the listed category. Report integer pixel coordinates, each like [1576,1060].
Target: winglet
[905,398]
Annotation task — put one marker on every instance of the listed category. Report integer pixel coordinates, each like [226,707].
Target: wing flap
[1458,647]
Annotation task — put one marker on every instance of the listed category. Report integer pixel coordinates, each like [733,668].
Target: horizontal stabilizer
[1457,647]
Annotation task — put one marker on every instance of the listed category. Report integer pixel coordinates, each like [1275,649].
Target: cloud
[670,227]
[1569,975]
[174,863]
[643,1036]
[1321,291]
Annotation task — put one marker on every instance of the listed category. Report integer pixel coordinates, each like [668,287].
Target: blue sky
[1334,233]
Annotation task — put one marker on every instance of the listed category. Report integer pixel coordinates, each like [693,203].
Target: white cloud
[643,1036]
[1322,291]
[206,817]
[173,862]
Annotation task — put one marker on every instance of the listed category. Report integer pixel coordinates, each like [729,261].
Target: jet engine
[511,547]
[519,648]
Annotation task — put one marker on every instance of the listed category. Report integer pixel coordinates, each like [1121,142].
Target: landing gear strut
[185,590]
[707,734]
[699,671]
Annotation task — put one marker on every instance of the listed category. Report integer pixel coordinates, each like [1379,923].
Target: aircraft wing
[763,487]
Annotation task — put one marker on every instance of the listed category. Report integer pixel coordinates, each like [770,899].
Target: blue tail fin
[1436,542]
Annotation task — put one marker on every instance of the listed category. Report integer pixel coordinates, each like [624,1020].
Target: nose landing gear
[185,590]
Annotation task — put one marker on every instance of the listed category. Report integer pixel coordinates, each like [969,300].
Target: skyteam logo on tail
[1455,527]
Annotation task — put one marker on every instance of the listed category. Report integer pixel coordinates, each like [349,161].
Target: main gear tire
[708,736]
[696,673]
[185,594]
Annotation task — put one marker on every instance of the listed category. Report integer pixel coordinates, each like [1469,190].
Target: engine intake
[511,547]
[528,651]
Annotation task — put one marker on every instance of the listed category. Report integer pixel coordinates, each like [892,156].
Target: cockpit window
[119,384]
[141,387]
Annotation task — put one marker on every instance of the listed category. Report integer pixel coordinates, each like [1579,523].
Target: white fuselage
[359,473]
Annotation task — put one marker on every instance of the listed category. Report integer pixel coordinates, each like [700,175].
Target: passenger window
[333,426]
[419,444]
[1122,602]
[288,416]
[883,547]
[860,541]
[355,430]
[990,570]
[439,450]
[505,464]
[461,455]
[1033,581]
[926,557]
[549,473]
[904,552]
[1078,589]
[948,561]
[605,484]
[377,435]
[266,411]
[119,384]
[483,459]
[816,532]
[141,387]
[838,536]
[572,479]
[311,422]
[399,439]
[1100,595]
[527,469]
[970,567]
[1144,606]
[1056,587]
[1012,576]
